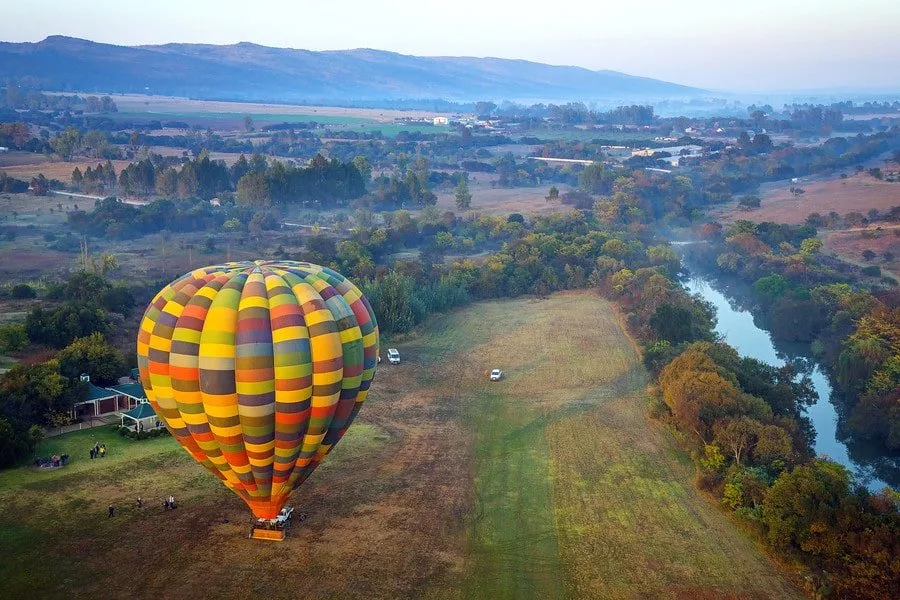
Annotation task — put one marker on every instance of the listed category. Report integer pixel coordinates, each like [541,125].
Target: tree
[167,183]
[248,123]
[40,186]
[96,142]
[391,298]
[810,246]
[28,393]
[749,202]
[868,254]
[462,195]
[364,167]
[771,287]
[188,183]
[676,324]
[67,143]
[13,337]
[15,444]
[773,443]
[553,195]
[737,436]
[22,291]
[253,190]
[59,327]
[92,355]
[801,507]
[240,168]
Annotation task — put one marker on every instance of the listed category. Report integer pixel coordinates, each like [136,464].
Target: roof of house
[135,390]
[141,411]
[98,393]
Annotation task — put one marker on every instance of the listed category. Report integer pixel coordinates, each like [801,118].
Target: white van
[393,356]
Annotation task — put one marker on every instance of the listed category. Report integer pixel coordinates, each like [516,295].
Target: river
[736,326]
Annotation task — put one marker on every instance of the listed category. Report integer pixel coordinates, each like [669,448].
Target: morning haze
[737,46]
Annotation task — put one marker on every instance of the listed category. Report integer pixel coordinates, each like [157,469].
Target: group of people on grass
[98,451]
[54,461]
[167,503]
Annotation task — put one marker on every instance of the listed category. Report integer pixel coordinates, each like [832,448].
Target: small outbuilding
[141,418]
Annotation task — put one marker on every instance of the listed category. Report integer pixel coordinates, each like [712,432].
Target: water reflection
[738,328]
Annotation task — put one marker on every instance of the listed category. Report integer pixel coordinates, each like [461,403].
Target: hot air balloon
[258,369]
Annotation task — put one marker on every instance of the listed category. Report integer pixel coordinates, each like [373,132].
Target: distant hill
[251,72]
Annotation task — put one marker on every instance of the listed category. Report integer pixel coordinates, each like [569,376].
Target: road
[92,197]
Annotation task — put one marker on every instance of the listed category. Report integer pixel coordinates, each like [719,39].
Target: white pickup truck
[393,356]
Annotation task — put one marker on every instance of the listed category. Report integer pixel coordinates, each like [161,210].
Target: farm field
[137,103]
[550,483]
[857,193]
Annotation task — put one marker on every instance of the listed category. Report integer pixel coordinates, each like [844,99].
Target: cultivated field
[550,483]
[856,193]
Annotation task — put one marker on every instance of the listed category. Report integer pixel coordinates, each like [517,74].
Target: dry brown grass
[60,170]
[849,245]
[495,201]
[857,193]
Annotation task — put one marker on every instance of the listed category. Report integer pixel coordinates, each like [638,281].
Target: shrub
[22,291]
[872,271]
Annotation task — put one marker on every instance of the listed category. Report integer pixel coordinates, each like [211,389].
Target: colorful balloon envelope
[258,369]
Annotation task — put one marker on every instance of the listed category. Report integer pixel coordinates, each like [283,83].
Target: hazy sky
[717,44]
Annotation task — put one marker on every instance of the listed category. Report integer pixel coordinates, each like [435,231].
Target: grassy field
[551,483]
[61,170]
[849,245]
[497,201]
[856,193]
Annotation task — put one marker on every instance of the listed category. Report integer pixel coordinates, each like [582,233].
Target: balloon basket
[272,529]
[261,533]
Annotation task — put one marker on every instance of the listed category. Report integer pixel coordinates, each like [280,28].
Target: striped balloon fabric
[258,369]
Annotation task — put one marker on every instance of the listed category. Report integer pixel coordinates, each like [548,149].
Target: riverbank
[738,328]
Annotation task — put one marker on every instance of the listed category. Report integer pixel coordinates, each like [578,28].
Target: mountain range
[248,71]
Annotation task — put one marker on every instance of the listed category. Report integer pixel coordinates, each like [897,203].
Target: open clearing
[495,201]
[856,193]
[550,483]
